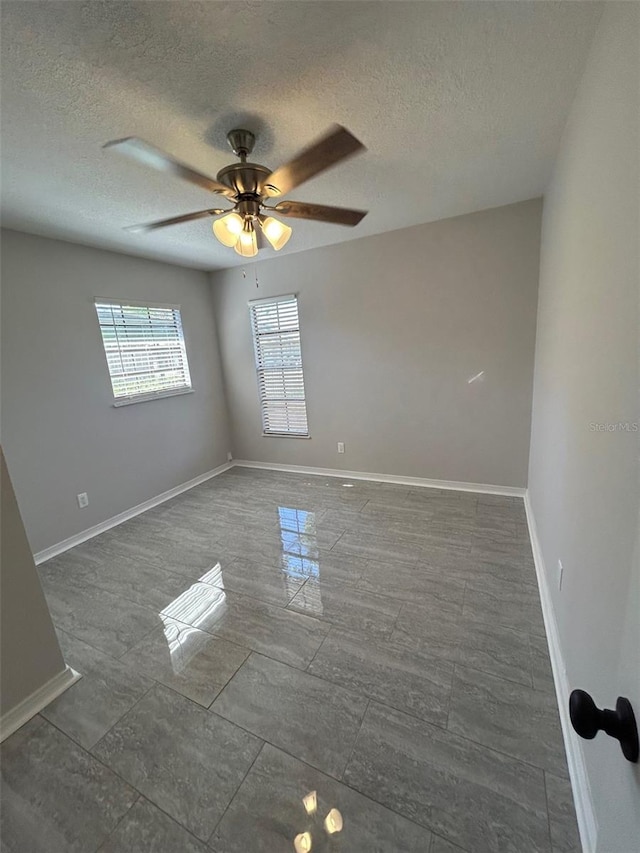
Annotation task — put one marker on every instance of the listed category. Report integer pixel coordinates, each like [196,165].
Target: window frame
[258,370]
[145,397]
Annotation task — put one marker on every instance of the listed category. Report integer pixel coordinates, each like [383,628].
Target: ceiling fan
[250,185]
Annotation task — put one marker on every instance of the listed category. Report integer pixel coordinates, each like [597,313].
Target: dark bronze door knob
[587,720]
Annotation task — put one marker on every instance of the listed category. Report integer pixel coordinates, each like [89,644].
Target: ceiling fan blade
[320,212]
[175,220]
[149,155]
[337,145]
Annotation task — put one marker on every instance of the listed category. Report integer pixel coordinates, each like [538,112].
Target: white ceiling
[461,105]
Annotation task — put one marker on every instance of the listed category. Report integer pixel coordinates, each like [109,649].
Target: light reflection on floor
[298,535]
[300,553]
[332,825]
[201,603]
[180,640]
[204,602]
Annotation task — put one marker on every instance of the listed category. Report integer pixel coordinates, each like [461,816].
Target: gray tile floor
[266,635]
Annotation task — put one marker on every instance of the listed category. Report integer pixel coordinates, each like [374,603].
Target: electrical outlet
[560,572]
[341,447]
[83,500]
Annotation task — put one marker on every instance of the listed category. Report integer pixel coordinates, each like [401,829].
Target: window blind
[144,346]
[276,337]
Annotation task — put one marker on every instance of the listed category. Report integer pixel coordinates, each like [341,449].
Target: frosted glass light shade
[276,232]
[247,243]
[228,228]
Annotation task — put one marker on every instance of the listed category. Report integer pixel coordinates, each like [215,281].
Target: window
[276,337]
[145,350]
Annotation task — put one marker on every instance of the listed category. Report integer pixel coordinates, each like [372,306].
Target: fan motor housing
[244,178]
[248,207]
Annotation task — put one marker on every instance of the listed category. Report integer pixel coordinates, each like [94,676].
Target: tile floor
[265,635]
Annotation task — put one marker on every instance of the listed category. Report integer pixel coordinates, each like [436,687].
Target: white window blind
[276,337]
[145,350]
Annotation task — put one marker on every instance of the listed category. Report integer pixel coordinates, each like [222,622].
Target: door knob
[587,720]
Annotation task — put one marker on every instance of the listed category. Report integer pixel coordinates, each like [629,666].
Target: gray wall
[30,652]
[584,483]
[60,432]
[393,328]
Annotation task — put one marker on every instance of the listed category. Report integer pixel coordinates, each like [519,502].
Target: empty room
[320,423]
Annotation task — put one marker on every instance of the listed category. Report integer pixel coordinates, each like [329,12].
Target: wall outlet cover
[83,500]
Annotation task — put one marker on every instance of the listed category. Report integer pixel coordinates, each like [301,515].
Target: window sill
[145,398]
[283,435]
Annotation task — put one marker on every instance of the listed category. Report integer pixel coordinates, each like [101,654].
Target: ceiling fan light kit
[228,229]
[276,232]
[247,244]
[249,185]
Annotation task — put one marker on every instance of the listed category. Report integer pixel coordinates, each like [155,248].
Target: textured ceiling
[461,105]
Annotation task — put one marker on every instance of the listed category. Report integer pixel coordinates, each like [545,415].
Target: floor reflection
[299,539]
[309,598]
[203,603]
[332,825]
[182,643]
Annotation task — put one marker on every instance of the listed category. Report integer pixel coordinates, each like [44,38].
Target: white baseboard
[37,701]
[420,482]
[582,798]
[96,530]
